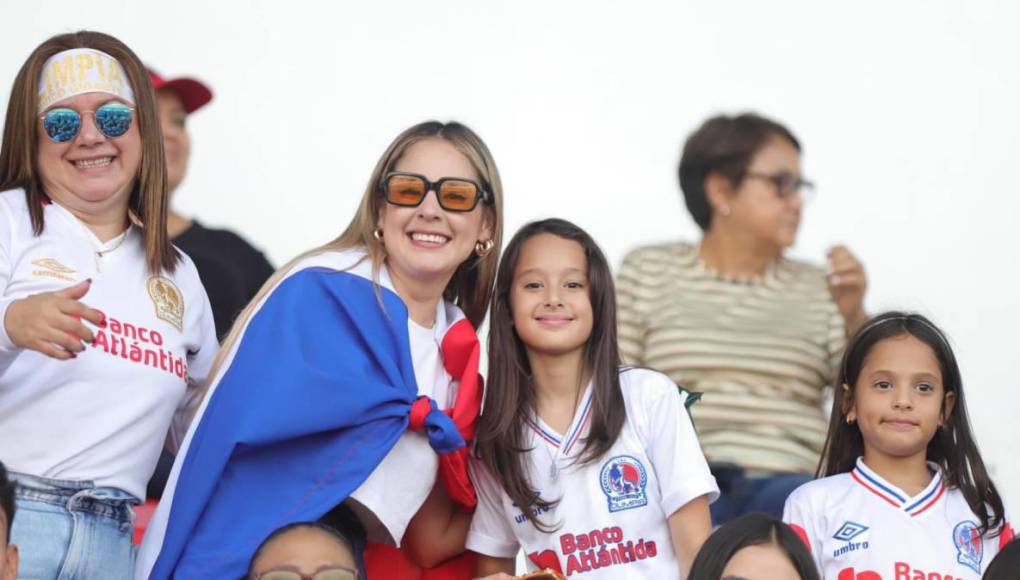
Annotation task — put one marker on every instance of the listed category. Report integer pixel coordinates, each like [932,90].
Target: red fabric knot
[461,353]
[420,409]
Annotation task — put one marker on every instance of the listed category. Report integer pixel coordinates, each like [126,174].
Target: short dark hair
[326,529]
[723,145]
[7,498]
[751,530]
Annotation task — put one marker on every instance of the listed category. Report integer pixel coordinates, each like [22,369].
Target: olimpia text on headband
[77,71]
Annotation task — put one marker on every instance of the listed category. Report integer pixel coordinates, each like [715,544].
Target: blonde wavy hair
[472,283]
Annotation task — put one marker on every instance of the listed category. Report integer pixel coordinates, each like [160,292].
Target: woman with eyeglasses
[732,317]
[106,330]
[348,389]
[304,551]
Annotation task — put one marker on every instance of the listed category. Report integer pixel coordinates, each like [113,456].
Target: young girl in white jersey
[588,467]
[905,493]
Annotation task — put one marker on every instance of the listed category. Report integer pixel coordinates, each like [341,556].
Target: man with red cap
[231,270]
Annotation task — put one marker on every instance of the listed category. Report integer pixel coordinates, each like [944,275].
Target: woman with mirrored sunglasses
[348,389]
[731,316]
[106,330]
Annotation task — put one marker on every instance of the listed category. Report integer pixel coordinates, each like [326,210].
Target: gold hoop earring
[378,235]
[483,248]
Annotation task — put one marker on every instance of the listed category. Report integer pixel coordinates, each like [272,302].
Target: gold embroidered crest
[167,300]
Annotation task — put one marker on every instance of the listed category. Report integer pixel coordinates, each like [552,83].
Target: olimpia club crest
[969,547]
[167,301]
[623,480]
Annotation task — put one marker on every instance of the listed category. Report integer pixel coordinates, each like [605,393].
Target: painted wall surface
[909,113]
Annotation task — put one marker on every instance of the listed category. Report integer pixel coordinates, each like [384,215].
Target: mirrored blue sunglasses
[62,124]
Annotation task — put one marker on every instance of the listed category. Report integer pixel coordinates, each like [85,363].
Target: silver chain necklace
[101,253]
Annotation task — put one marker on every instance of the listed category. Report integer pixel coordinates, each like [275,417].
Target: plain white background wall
[908,112]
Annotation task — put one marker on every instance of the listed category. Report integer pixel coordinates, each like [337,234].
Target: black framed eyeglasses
[453,193]
[787,185]
[292,573]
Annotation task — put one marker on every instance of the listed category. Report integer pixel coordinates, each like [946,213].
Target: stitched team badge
[623,480]
[969,548]
[167,301]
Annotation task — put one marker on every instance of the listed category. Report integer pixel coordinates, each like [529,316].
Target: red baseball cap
[193,93]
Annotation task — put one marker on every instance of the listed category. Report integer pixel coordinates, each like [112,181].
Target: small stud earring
[724,210]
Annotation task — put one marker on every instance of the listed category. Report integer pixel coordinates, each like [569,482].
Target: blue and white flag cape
[314,395]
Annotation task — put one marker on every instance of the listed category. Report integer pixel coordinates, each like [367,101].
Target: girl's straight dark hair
[952,448]
[510,396]
[753,529]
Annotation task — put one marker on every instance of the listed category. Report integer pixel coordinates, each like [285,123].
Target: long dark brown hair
[19,153]
[952,448]
[510,396]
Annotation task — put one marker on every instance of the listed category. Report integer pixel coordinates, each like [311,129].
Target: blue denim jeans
[72,530]
[740,494]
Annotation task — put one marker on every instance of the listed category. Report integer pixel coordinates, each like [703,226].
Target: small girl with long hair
[904,492]
[587,466]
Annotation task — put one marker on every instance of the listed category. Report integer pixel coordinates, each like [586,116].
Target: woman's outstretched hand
[51,322]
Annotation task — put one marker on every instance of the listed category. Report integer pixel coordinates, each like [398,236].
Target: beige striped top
[761,351]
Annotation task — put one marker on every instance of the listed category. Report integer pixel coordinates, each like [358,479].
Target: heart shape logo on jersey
[851,574]
[546,559]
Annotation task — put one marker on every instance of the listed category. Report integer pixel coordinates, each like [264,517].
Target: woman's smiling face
[91,172]
[427,243]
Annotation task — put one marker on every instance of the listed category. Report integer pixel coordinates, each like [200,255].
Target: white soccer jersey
[861,527]
[104,415]
[612,513]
